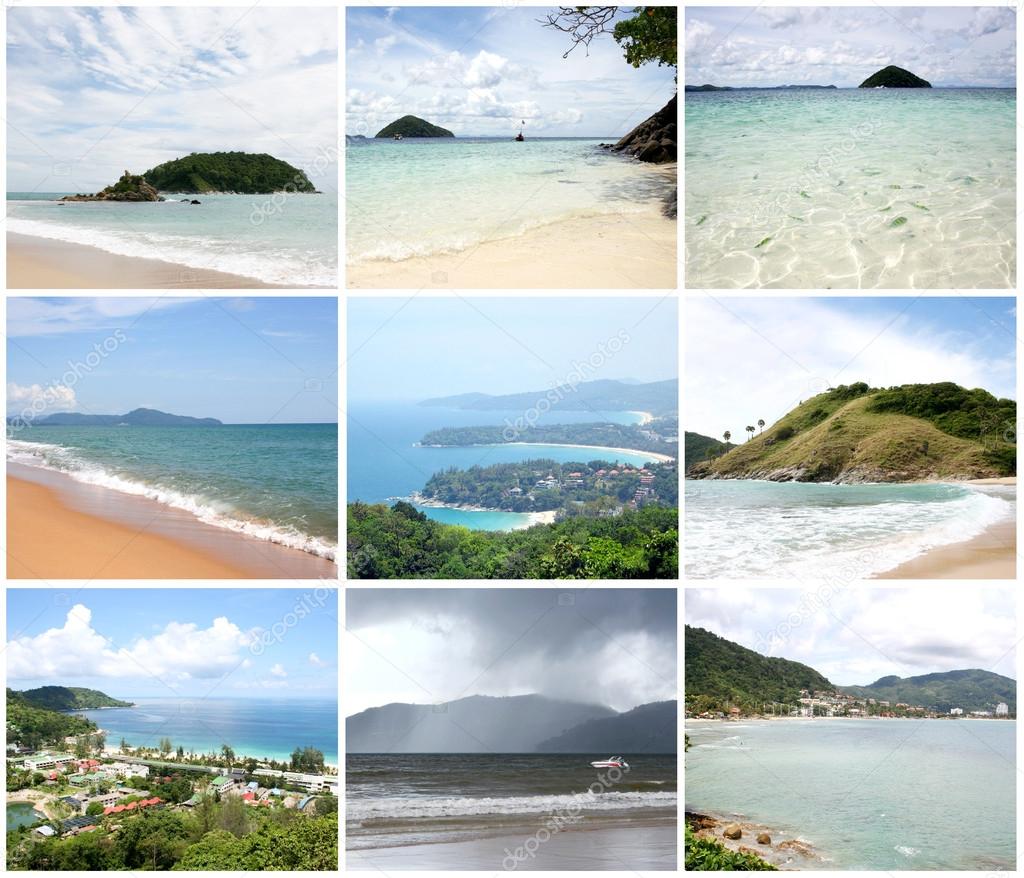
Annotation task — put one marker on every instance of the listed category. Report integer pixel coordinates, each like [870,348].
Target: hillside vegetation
[70,698]
[719,671]
[37,727]
[240,172]
[697,447]
[854,433]
[970,690]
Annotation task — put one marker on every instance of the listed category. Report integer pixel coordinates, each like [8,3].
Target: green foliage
[707,854]
[303,844]
[228,172]
[973,689]
[650,35]
[413,126]
[308,759]
[94,809]
[401,542]
[697,447]
[721,672]
[968,414]
[38,727]
[70,698]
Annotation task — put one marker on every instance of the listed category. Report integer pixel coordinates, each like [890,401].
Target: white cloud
[181,651]
[37,317]
[384,43]
[37,400]
[278,671]
[316,661]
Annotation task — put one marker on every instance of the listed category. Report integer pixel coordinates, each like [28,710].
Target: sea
[291,240]
[869,794]
[259,727]
[426,196]
[851,188]
[394,800]
[272,482]
[385,462]
[22,814]
[742,528]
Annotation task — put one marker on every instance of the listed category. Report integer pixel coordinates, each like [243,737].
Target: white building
[1002,709]
[313,783]
[125,770]
[956,711]
[48,760]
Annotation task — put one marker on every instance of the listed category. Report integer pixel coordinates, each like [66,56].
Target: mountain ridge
[141,417]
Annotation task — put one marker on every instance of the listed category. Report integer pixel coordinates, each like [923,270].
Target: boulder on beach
[894,77]
[654,139]
[764,838]
[732,831]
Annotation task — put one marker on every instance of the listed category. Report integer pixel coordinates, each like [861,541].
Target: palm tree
[750,430]
[727,436]
[760,423]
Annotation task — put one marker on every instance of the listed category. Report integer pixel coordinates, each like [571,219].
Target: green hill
[136,418]
[35,727]
[969,690]
[70,698]
[856,433]
[894,77]
[240,172]
[413,126]
[720,671]
[698,448]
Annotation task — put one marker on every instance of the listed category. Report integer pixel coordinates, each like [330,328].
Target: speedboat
[610,762]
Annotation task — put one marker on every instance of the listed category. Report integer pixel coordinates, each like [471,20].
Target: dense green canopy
[228,172]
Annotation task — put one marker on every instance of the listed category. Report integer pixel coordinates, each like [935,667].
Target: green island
[856,433]
[659,435]
[157,808]
[597,488]
[400,542]
[894,77]
[412,126]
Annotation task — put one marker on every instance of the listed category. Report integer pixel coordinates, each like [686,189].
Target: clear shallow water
[424,196]
[384,461]
[401,799]
[289,240]
[824,174]
[867,794]
[746,528]
[277,483]
[258,727]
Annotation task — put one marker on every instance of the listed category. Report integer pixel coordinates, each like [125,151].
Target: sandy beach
[664,458]
[990,555]
[545,517]
[44,263]
[105,534]
[632,848]
[628,251]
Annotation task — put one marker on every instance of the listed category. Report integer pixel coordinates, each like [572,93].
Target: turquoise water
[755,529]
[258,727]
[290,240]
[424,196]
[823,175]
[273,482]
[867,794]
[384,462]
[22,814]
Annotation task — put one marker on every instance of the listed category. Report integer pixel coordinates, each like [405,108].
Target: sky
[843,46]
[854,635]
[482,71]
[92,91]
[188,642]
[615,647]
[759,358]
[256,360]
[501,346]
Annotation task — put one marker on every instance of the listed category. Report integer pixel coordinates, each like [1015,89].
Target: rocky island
[131,187]
[413,126]
[894,77]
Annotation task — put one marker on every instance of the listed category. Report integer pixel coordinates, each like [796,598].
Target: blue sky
[242,360]
[156,642]
[413,349]
[481,71]
[842,46]
[793,348]
[92,91]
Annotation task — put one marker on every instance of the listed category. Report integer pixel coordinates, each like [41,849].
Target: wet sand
[629,251]
[624,849]
[61,529]
[990,555]
[43,263]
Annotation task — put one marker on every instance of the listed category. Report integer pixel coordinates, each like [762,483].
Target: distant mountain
[857,433]
[649,728]
[894,77]
[477,724]
[135,418]
[726,671]
[698,447]
[707,87]
[413,126]
[970,690]
[70,698]
[656,397]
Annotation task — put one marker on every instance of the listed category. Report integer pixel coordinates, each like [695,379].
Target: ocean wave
[259,261]
[407,808]
[57,458]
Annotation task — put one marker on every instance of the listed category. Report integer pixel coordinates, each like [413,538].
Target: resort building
[48,760]
[125,770]
[1002,709]
[956,711]
[222,784]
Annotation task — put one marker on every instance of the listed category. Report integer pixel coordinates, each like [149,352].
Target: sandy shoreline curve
[45,263]
[616,251]
[545,517]
[657,455]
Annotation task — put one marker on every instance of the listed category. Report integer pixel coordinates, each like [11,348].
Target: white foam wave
[265,264]
[209,511]
[401,808]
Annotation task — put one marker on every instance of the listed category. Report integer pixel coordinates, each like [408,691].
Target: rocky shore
[854,475]
[654,140]
[756,839]
[131,187]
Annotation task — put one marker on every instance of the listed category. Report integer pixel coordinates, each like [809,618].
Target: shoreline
[992,554]
[614,251]
[657,455]
[545,517]
[785,854]
[115,753]
[106,534]
[35,262]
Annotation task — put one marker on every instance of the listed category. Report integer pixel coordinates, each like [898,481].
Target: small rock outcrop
[131,187]
[413,126]
[764,838]
[894,77]
[654,139]
[732,831]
